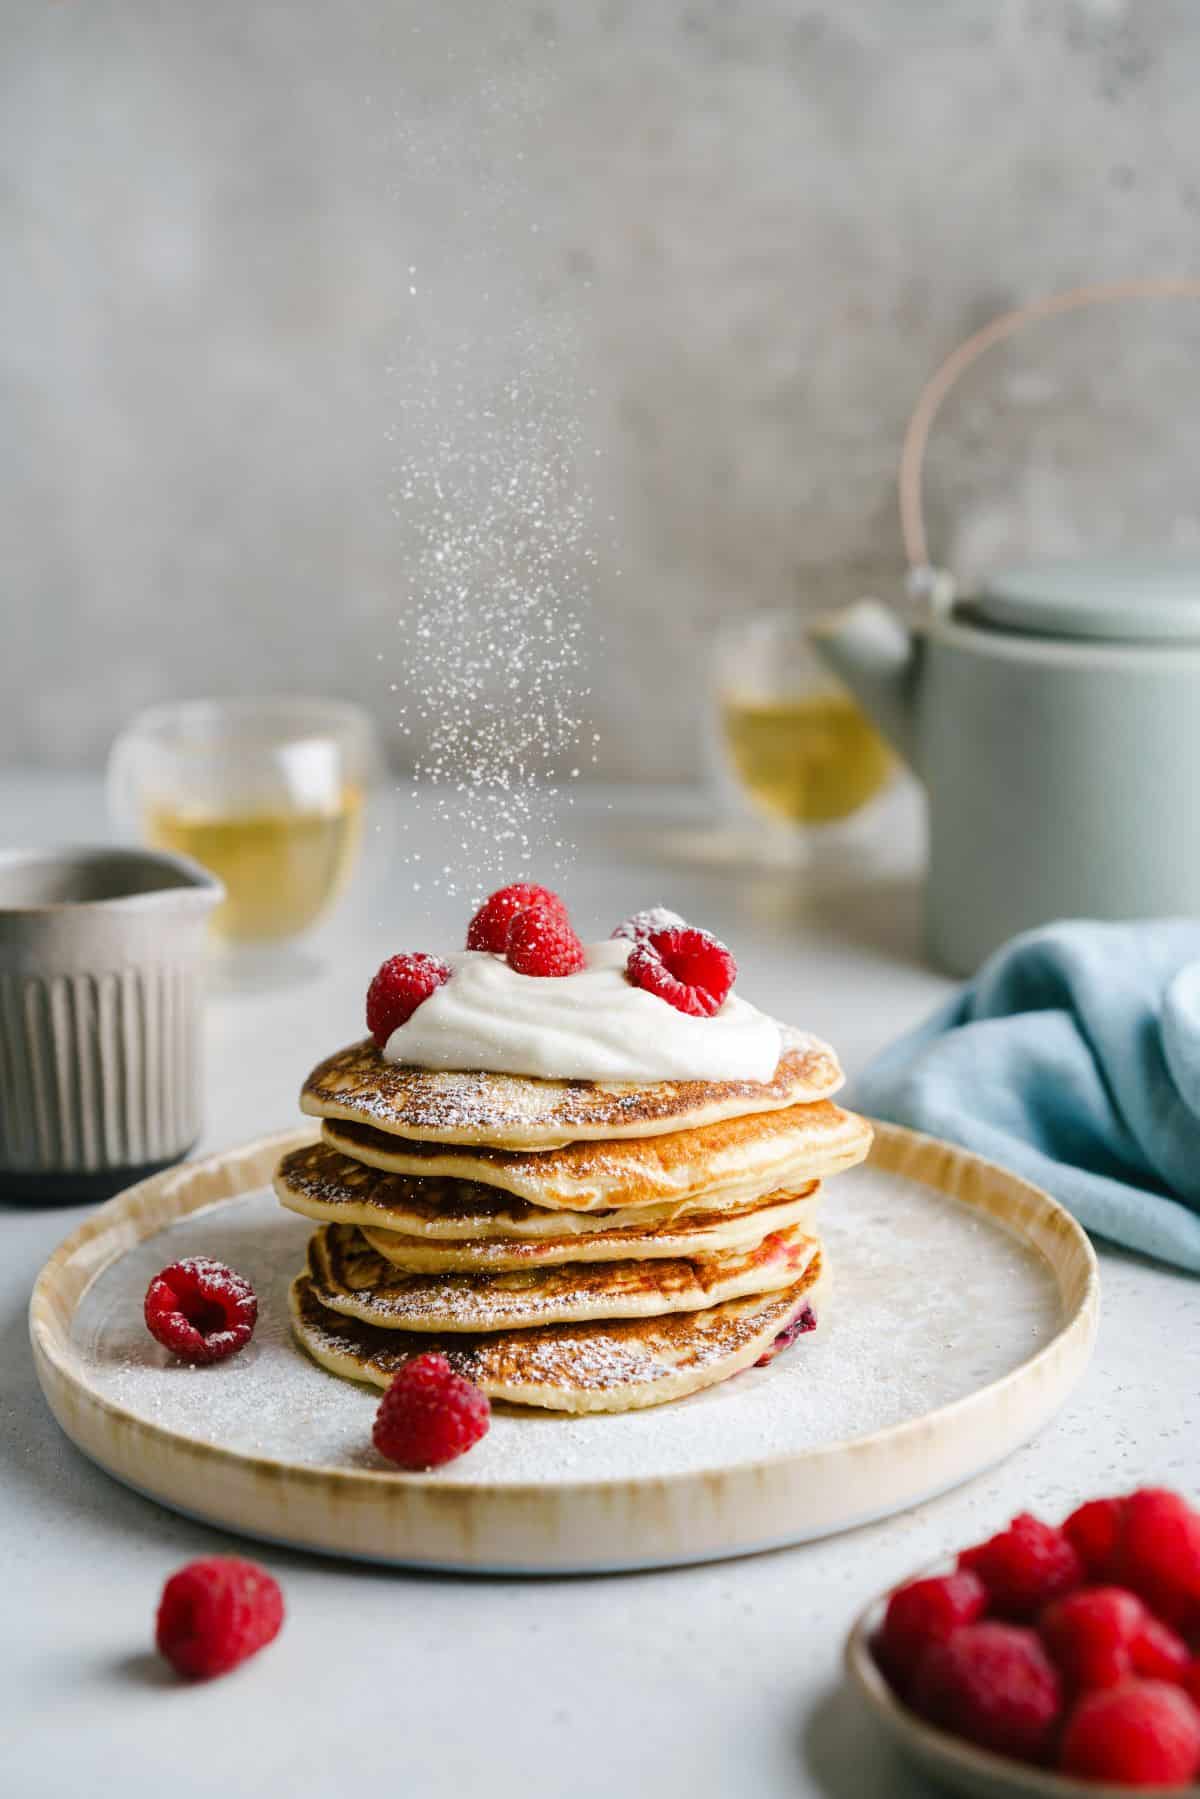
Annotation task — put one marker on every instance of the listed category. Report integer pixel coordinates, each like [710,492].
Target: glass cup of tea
[793,746]
[267,793]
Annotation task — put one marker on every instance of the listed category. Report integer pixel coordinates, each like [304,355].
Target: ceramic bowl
[101,977]
[957,1766]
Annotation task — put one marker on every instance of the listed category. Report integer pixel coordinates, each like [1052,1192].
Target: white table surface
[710,1681]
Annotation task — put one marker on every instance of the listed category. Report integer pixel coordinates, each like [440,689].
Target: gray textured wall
[711,248]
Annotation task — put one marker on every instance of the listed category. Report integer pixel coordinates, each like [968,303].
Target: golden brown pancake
[568,1367]
[319,1182]
[696,1233]
[350,1277]
[514,1112]
[735,1157]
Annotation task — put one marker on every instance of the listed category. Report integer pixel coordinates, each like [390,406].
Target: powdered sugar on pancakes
[749,1155]
[515,1112]
[619,1366]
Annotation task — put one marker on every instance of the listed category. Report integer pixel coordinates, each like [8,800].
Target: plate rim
[937,1165]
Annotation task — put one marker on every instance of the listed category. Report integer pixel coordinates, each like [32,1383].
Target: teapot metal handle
[922,575]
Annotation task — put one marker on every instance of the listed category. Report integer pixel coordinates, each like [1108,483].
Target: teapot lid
[1148,599]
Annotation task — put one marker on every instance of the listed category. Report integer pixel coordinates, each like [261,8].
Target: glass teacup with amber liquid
[794,746]
[268,794]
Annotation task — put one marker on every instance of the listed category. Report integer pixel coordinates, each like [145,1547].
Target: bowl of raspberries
[1049,1659]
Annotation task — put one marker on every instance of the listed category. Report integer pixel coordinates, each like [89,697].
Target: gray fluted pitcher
[101,976]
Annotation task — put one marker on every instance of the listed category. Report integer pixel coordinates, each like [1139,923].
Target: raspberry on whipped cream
[688,969]
[541,942]
[401,985]
[490,926]
[649,920]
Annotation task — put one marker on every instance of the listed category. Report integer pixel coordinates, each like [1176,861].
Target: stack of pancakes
[580,1245]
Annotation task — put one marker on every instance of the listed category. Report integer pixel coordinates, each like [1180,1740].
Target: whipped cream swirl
[591,1026]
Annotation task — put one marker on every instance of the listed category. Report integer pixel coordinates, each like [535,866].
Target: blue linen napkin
[1072,1057]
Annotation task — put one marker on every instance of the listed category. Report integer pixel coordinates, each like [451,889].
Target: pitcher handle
[922,574]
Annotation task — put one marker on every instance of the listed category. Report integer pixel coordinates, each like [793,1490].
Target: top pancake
[517,1112]
[734,1159]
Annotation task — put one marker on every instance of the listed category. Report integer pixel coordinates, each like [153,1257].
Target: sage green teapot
[1054,718]
[1053,715]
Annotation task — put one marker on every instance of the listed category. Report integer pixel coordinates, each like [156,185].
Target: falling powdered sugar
[496,514]
[492,643]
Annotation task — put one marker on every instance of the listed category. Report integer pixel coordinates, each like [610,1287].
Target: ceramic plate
[957,1766]
[963,1308]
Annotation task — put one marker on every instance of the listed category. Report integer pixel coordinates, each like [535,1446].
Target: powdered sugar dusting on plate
[928,1302]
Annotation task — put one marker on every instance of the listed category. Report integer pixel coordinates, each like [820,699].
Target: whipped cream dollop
[591,1026]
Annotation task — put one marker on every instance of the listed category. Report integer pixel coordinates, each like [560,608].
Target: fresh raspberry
[429,1414]
[687,968]
[993,1684]
[399,987]
[200,1310]
[1158,1555]
[1140,1734]
[1024,1567]
[216,1613]
[488,930]
[805,1320]
[541,941]
[921,1613]
[1090,1635]
[646,922]
[1158,1653]
[1093,1531]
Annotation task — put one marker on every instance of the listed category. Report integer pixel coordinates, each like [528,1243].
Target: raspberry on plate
[541,942]
[1158,1554]
[1093,1531]
[429,1415]
[200,1310]
[688,968]
[488,930]
[1024,1567]
[993,1684]
[923,1612]
[215,1613]
[649,920]
[1090,1635]
[400,985]
[1142,1733]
